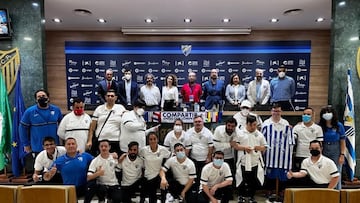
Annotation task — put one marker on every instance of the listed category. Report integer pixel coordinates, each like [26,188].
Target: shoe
[241,199]
[169,198]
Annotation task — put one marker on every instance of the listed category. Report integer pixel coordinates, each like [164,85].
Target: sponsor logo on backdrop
[274,62]
[152,63]
[74,85]
[246,78]
[300,85]
[74,93]
[99,63]
[125,63]
[87,85]
[186,117]
[73,70]
[193,63]
[86,78]
[87,100]
[112,64]
[220,63]
[300,93]
[72,63]
[244,70]
[87,93]
[300,100]
[299,70]
[259,62]
[84,70]
[136,63]
[186,49]
[302,62]
[233,63]
[206,63]
[86,63]
[73,78]
[179,63]
[165,63]
[288,62]
[301,77]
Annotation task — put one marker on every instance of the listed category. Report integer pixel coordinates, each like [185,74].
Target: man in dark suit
[128,90]
[106,84]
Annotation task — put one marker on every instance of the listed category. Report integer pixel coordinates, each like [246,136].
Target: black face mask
[314,152]
[43,101]
[132,156]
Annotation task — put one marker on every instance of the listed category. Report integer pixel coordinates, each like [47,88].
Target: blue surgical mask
[180,155]
[218,162]
[306,118]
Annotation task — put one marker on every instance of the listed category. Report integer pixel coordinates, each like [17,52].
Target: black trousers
[129,191]
[102,191]
[250,182]
[150,188]
[175,189]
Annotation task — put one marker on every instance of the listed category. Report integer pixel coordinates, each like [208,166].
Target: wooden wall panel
[320,56]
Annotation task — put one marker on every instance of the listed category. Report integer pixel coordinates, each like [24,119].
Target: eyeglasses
[110,95]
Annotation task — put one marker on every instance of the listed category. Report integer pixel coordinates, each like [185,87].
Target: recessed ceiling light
[320,19]
[354,38]
[34,4]
[187,20]
[342,3]
[101,20]
[43,21]
[274,20]
[226,20]
[148,20]
[57,20]
[292,12]
[82,12]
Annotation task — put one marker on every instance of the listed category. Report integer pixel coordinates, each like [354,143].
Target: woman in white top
[170,94]
[154,155]
[177,135]
[235,93]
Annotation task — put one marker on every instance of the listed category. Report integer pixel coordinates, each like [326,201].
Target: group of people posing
[213,94]
[196,165]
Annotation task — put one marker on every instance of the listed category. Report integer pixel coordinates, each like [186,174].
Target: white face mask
[140,111]
[327,116]
[282,74]
[127,76]
[177,128]
[245,112]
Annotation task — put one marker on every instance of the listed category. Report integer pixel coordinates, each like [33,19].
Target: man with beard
[191,91]
[258,92]
[150,93]
[128,90]
[214,92]
[132,172]
[223,135]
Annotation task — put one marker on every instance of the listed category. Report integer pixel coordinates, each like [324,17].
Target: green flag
[5,123]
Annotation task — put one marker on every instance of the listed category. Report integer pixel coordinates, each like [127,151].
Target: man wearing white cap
[245,108]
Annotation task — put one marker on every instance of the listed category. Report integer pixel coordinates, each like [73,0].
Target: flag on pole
[17,150]
[349,124]
[5,123]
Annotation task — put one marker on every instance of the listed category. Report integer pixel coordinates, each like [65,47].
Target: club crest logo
[186,49]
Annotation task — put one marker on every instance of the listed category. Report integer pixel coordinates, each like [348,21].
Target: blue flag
[5,123]
[17,149]
[349,124]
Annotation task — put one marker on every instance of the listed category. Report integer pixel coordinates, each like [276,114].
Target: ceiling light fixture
[57,20]
[187,20]
[34,4]
[185,31]
[342,3]
[274,20]
[320,20]
[226,20]
[354,38]
[148,20]
[101,20]
[27,38]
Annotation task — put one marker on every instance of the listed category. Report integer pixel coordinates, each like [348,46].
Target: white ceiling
[171,13]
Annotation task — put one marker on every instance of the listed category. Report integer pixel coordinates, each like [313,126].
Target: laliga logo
[186,49]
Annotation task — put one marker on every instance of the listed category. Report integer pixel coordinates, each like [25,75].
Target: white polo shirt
[322,171]
[181,171]
[111,130]
[304,135]
[42,161]
[131,170]
[199,143]
[109,165]
[170,140]
[222,141]
[211,175]
[153,160]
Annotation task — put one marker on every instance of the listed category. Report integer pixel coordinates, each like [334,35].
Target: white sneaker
[169,198]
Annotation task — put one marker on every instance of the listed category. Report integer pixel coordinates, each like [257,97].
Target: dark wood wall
[319,70]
